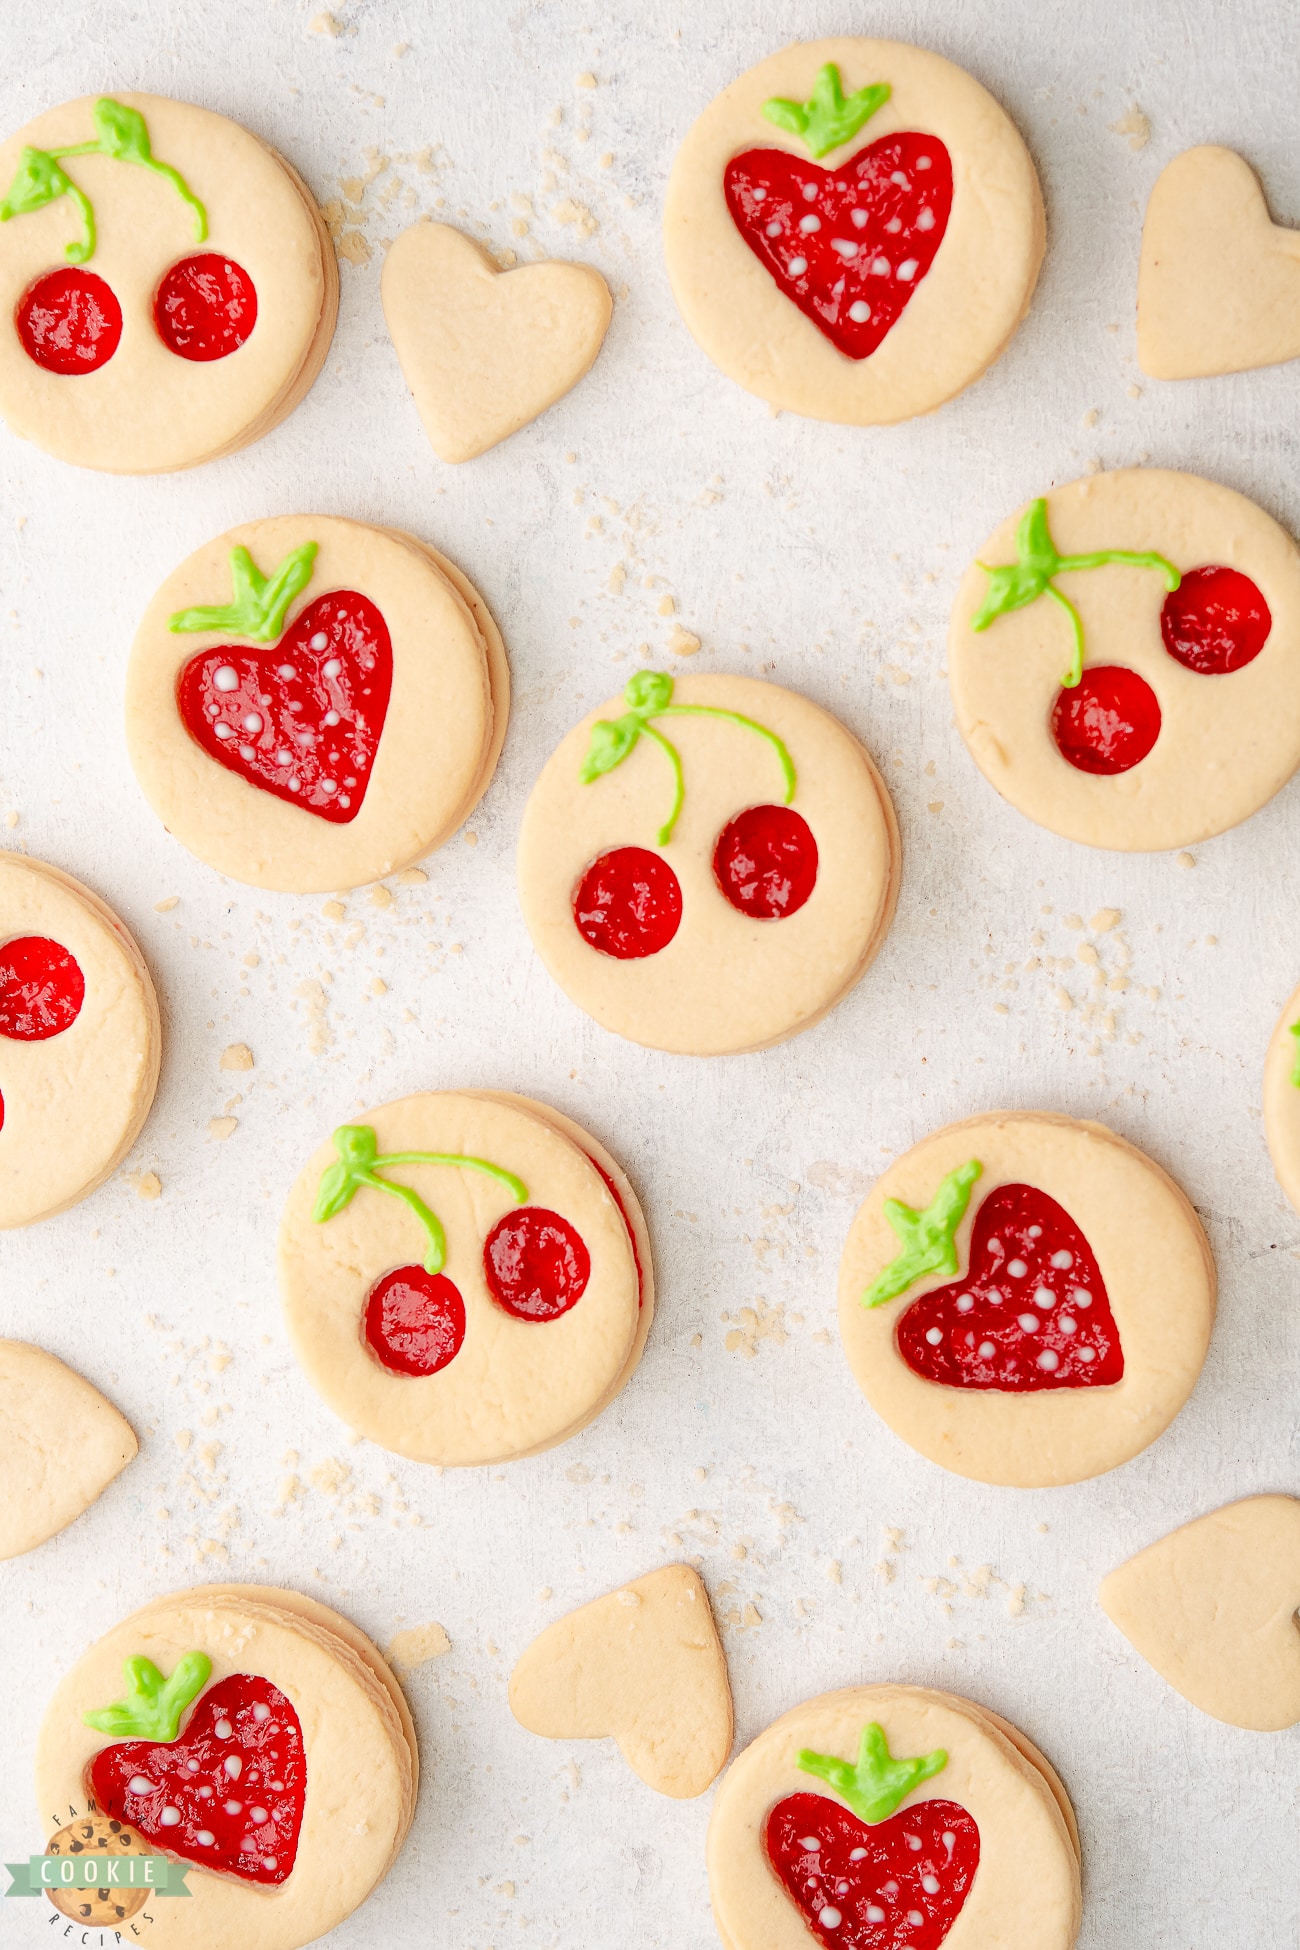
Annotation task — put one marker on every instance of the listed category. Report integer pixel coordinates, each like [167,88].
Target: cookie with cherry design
[893,1818]
[853,230]
[312,702]
[168,280]
[80,1040]
[466,1276]
[708,864]
[1124,659]
[1282,1099]
[1026,1299]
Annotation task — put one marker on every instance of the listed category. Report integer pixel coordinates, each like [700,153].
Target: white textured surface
[827,558]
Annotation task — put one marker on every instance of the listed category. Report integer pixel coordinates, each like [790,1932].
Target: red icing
[617,1197]
[414,1321]
[333,768]
[765,862]
[205,307]
[628,903]
[875,1897]
[1108,722]
[766,187]
[535,1264]
[1216,621]
[271,1776]
[1072,1341]
[69,321]
[41,989]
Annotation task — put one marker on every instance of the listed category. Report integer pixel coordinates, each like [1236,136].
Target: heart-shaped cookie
[1219,281]
[61,1444]
[485,351]
[643,1666]
[1213,1608]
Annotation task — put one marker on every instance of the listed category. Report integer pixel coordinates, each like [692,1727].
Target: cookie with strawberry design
[466,1276]
[312,702]
[893,1818]
[80,1040]
[1282,1099]
[169,284]
[708,864]
[853,230]
[1026,1299]
[1124,659]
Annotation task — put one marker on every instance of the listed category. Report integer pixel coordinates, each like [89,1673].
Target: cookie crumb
[1105,919]
[667,607]
[415,1647]
[237,1056]
[159,907]
[1135,125]
[333,911]
[221,1128]
[412,877]
[585,81]
[328,24]
[147,1184]
[681,642]
[380,897]
[629,1597]
[1185,860]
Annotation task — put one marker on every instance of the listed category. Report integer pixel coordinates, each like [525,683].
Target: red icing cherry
[849,245]
[628,903]
[301,721]
[1215,621]
[69,321]
[42,989]
[1108,722]
[765,862]
[414,1321]
[896,1884]
[228,1793]
[1031,1313]
[205,307]
[535,1264]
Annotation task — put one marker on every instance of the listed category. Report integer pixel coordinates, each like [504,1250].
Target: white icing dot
[1017,1268]
[933,1336]
[333,667]
[995,1245]
[223,1729]
[1080,1297]
[797,266]
[1028,1323]
[307,739]
[270,1862]
[857,1855]
[930,1884]
[894,225]
[261,1711]
[1062,1261]
[233,1807]
[1087,1354]
[191,1767]
[205,1794]
[949,1840]
[277,1787]
[224,731]
[899,178]
[889,1889]
[233,1765]
[986,1350]
[294,786]
[138,1785]
[908,269]
[844,246]
[1033,1232]
[246,752]
[810,223]
[774,229]
[858,218]
[913,1841]
[1049,1360]
[226,678]
[331,717]
[206,1837]
[809,1842]
[923,162]
[252,721]
[1044,1297]
[328,786]
[1067,1324]
[284,758]
[170,1816]
[344,800]
[810,192]
[320,641]
[841,1889]
[875,1914]
[915,1918]
[759,195]
[257,1816]
[880,267]
[829,1918]
[965,1302]
[286,671]
[926,220]
[859,312]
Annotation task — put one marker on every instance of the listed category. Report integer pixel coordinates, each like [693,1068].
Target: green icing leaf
[37,181]
[611,741]
[122,131]
[358,1163]
[928,1237]
[153,1705]
[259,603]
[874,1784]
[649,690]
[829,118]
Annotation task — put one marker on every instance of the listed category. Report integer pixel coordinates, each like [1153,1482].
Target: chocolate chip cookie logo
[98,1872]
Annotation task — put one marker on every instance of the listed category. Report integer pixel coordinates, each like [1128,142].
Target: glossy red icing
[42,989]
[205,307]
[535,1264]
[897,1884]
[1216,621]
[765,862]
[414,1321]
[628,903]
[1108,722]
[69,321]
[617,1197]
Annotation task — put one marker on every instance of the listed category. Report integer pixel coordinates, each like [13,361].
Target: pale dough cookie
[61,1444]
[171,294]
[1282,1100]
[80,1041]
[853,230]
[491,1304]
[485,351]
[1208,210]
[1026,1299]
[644,1666]
[312,703]
[708,864]
[886,1815]
[1124,659]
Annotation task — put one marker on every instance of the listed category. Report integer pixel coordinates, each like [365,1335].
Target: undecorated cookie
[644,1666]
[61,1444]
[1213,1608]
[485,351]
[1282,1099]
[1124,659]
[1026,1299]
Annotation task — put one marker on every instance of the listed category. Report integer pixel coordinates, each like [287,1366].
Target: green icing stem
[1295,1064]
[875,1783]
[259,603]
[829,117]
[358,1163]
[153,1705]
[123,135]
[928,1237]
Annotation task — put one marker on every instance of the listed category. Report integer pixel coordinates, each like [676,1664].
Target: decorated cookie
[61,1444]
[1213,1609]
[644,1666]
[466,1276]
[312,703]
[1125,659]
[170,284]
[79,1041]
[1282,1100]
[1207,208]
[853,230]
[1026,1299]
[891,1818]
[708,864]
[252,1735]
[485,351]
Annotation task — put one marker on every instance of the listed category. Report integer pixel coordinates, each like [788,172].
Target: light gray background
[826,557]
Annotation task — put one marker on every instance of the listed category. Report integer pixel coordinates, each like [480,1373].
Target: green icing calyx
[650,695]
[153,1705]
[875,1783]
[1019,583]
[359,1163]
[122,133]
[829,117]
[259,603]
[929,1237]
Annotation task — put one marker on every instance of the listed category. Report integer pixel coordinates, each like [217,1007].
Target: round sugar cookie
[80,1041]
[1026,1299]
[1282,1100]
[1124,659]
[892,1815]
[708,864]
[492,1303]
[312,703]
[854,230]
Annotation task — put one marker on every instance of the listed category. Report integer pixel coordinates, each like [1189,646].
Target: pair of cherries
[69,321]
[42,989]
